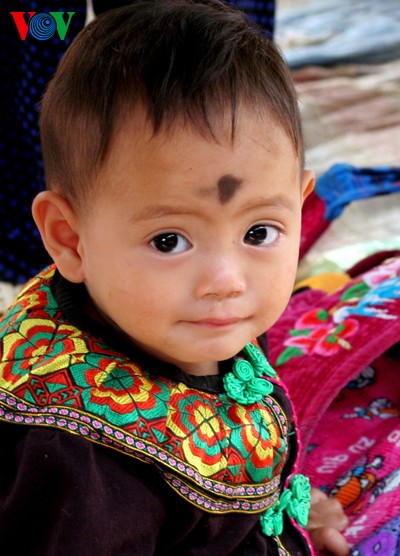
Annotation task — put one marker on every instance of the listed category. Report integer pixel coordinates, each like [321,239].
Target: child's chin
[225,352]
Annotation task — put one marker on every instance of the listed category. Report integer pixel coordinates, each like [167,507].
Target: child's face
[190,247]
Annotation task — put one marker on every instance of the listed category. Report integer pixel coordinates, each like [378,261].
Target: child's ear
[59,227]
[307,184]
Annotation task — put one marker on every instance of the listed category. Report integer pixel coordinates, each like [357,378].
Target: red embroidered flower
[37,347]
[336,339]
[317,318]
[316,332]
[122,388]
[308,342]
[258,439]
[194,419]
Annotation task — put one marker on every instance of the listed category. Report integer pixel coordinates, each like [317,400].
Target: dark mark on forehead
[227,187]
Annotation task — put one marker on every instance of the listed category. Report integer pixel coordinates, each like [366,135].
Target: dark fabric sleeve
[62,495]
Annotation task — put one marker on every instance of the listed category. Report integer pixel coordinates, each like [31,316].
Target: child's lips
[218,322]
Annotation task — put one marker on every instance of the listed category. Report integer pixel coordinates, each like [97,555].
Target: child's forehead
[135,129]
[212,163]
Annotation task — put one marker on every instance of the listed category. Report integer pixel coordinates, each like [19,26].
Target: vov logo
[42,26]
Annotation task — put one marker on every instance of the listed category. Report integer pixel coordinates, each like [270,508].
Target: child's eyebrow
[279,201]
[158,211]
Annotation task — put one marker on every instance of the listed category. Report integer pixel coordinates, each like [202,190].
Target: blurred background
[345,58]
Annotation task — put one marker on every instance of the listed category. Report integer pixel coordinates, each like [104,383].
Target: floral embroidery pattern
[120,388]
[263,447]
[326,332]
[29,344]
[315,332]
[203,434]
[53,374]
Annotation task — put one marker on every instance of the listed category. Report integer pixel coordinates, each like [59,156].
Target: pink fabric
[313,222]
[350,434]
[334,337]
[354,456]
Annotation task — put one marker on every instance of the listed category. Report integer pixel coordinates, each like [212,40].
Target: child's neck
[204,368]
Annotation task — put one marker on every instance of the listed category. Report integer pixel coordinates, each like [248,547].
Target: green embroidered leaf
[323,314]
[356,291]
[340,327]
[300,332]
[287,354]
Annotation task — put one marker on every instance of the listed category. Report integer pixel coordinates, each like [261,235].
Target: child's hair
[196,60]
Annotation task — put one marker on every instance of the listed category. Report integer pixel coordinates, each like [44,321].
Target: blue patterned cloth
[344,183]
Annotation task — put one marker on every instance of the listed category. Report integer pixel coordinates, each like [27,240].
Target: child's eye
[170,242]
[261,234]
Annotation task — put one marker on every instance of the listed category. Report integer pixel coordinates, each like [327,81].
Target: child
[152,421]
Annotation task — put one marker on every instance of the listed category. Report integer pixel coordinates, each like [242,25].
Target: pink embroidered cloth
[338,356]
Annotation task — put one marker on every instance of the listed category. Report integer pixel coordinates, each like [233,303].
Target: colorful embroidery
[295,501]
[221,455]
[230,504]
[360,465]
[316,332]
[326,333]
[247,383]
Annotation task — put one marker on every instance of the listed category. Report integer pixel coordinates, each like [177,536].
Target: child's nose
[221,277]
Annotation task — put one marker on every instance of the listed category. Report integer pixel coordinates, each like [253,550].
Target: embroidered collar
[222,452]
[71,297]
